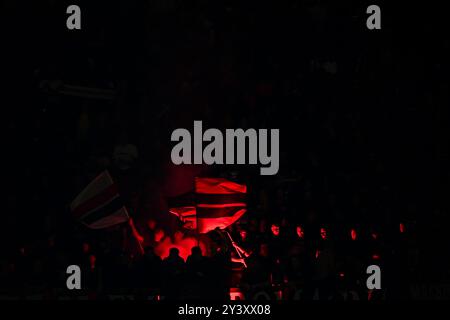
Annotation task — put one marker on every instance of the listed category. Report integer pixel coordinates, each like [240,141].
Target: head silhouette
[174,252]
[196,251]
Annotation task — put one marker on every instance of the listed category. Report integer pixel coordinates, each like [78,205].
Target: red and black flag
[216,203]
[99,205]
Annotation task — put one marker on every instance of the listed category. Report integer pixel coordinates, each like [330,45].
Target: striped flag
[99,205]
[217,203]
[187,215]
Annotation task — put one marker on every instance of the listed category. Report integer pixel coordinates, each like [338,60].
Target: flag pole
[238,252]
[135,233]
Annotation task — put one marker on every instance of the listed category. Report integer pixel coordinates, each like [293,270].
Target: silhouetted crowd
[282,259]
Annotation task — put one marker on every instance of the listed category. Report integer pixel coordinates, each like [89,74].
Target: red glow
[207,224]
[353,234]
[374,236]
[275,230]
[209,214]
[159,235]
[218,186]
[151,224]
[300,232]
[243,234]
[402,228]
[221,205]
[341,274]
[375,257]
[236,294]
[323,233]
[182,243]
[188,215]
[317,254]
[136,234]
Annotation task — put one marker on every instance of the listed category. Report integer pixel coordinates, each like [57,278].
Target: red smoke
[183,243]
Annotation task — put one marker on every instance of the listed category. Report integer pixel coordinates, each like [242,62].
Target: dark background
[363,114]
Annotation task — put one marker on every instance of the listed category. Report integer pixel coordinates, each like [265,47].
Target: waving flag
[99,205]
[187,214]
[217,203]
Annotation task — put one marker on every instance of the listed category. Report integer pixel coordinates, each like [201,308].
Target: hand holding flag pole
[99,206]
[137,236]
[238,250]
[216,204]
